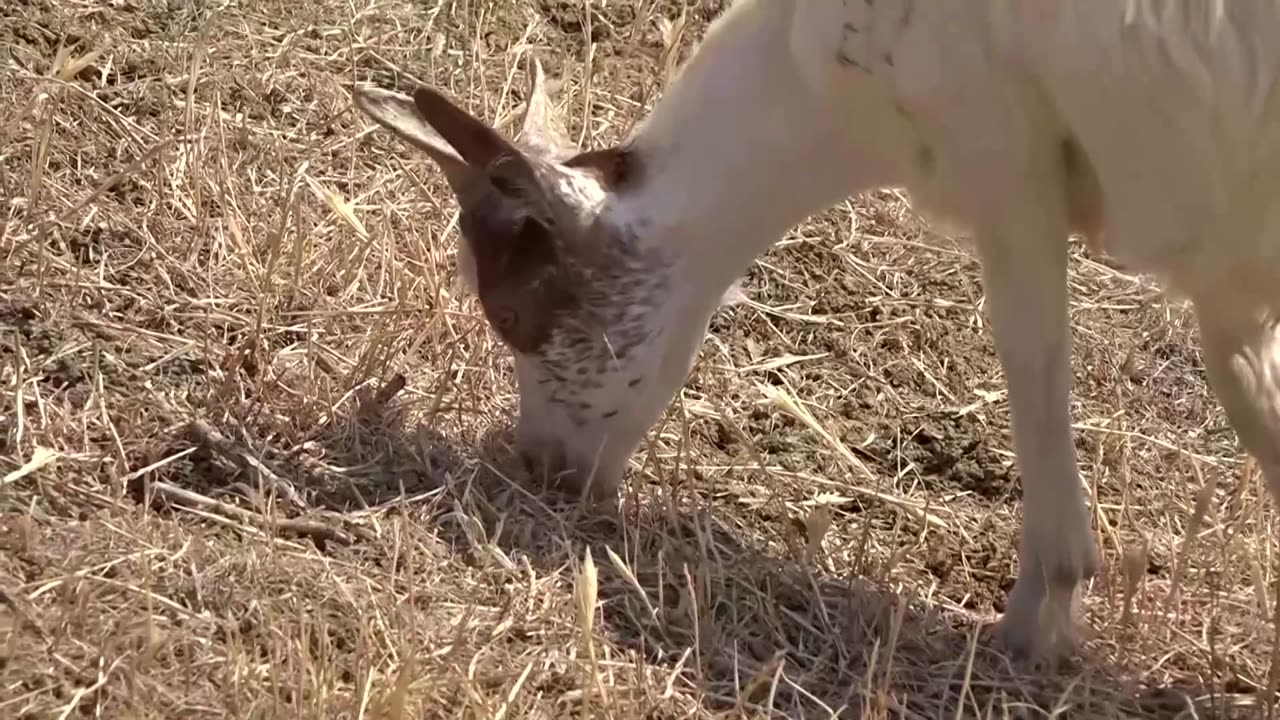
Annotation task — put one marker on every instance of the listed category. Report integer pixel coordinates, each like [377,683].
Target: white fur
[1172,106]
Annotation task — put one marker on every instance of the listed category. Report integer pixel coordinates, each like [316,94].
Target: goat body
[1021,120]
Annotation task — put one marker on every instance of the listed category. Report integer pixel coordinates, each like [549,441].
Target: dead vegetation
[253,453]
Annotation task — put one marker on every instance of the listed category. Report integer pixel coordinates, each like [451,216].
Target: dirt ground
[219,499]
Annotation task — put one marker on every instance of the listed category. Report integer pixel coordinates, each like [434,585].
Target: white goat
[1022,119]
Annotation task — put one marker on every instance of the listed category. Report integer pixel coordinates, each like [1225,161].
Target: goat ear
[505,167]
[542,127]
[400,115]
[474,156]
[473,139]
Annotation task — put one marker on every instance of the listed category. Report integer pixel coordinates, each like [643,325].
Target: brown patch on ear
[473,139]
[617,167]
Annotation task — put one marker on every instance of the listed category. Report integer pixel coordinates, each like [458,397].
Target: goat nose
[549,466]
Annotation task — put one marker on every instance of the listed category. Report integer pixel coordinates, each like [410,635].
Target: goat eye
[504,185]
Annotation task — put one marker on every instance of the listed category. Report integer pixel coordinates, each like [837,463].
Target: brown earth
[178,303]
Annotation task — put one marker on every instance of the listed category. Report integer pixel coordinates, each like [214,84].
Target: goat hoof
[1035,649]
[1042,634]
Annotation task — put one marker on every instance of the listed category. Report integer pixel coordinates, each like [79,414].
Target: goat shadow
[717,602]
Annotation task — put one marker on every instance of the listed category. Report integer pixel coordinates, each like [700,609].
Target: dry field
[253,435]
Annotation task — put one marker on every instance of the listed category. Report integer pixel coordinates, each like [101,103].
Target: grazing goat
[1023,120]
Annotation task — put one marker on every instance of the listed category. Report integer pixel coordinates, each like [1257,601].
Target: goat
[1152,125]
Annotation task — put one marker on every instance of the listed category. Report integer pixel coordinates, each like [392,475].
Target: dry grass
[219,501]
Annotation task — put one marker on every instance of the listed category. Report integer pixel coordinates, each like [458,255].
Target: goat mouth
[552,472]
[548,467]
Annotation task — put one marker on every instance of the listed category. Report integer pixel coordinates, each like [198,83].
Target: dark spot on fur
[842,56]
[608,415]
[635,382]
[1070,155]
[925,160]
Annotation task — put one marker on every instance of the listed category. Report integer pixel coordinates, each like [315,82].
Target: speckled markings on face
[594,347]
[594,352]
[592,358]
